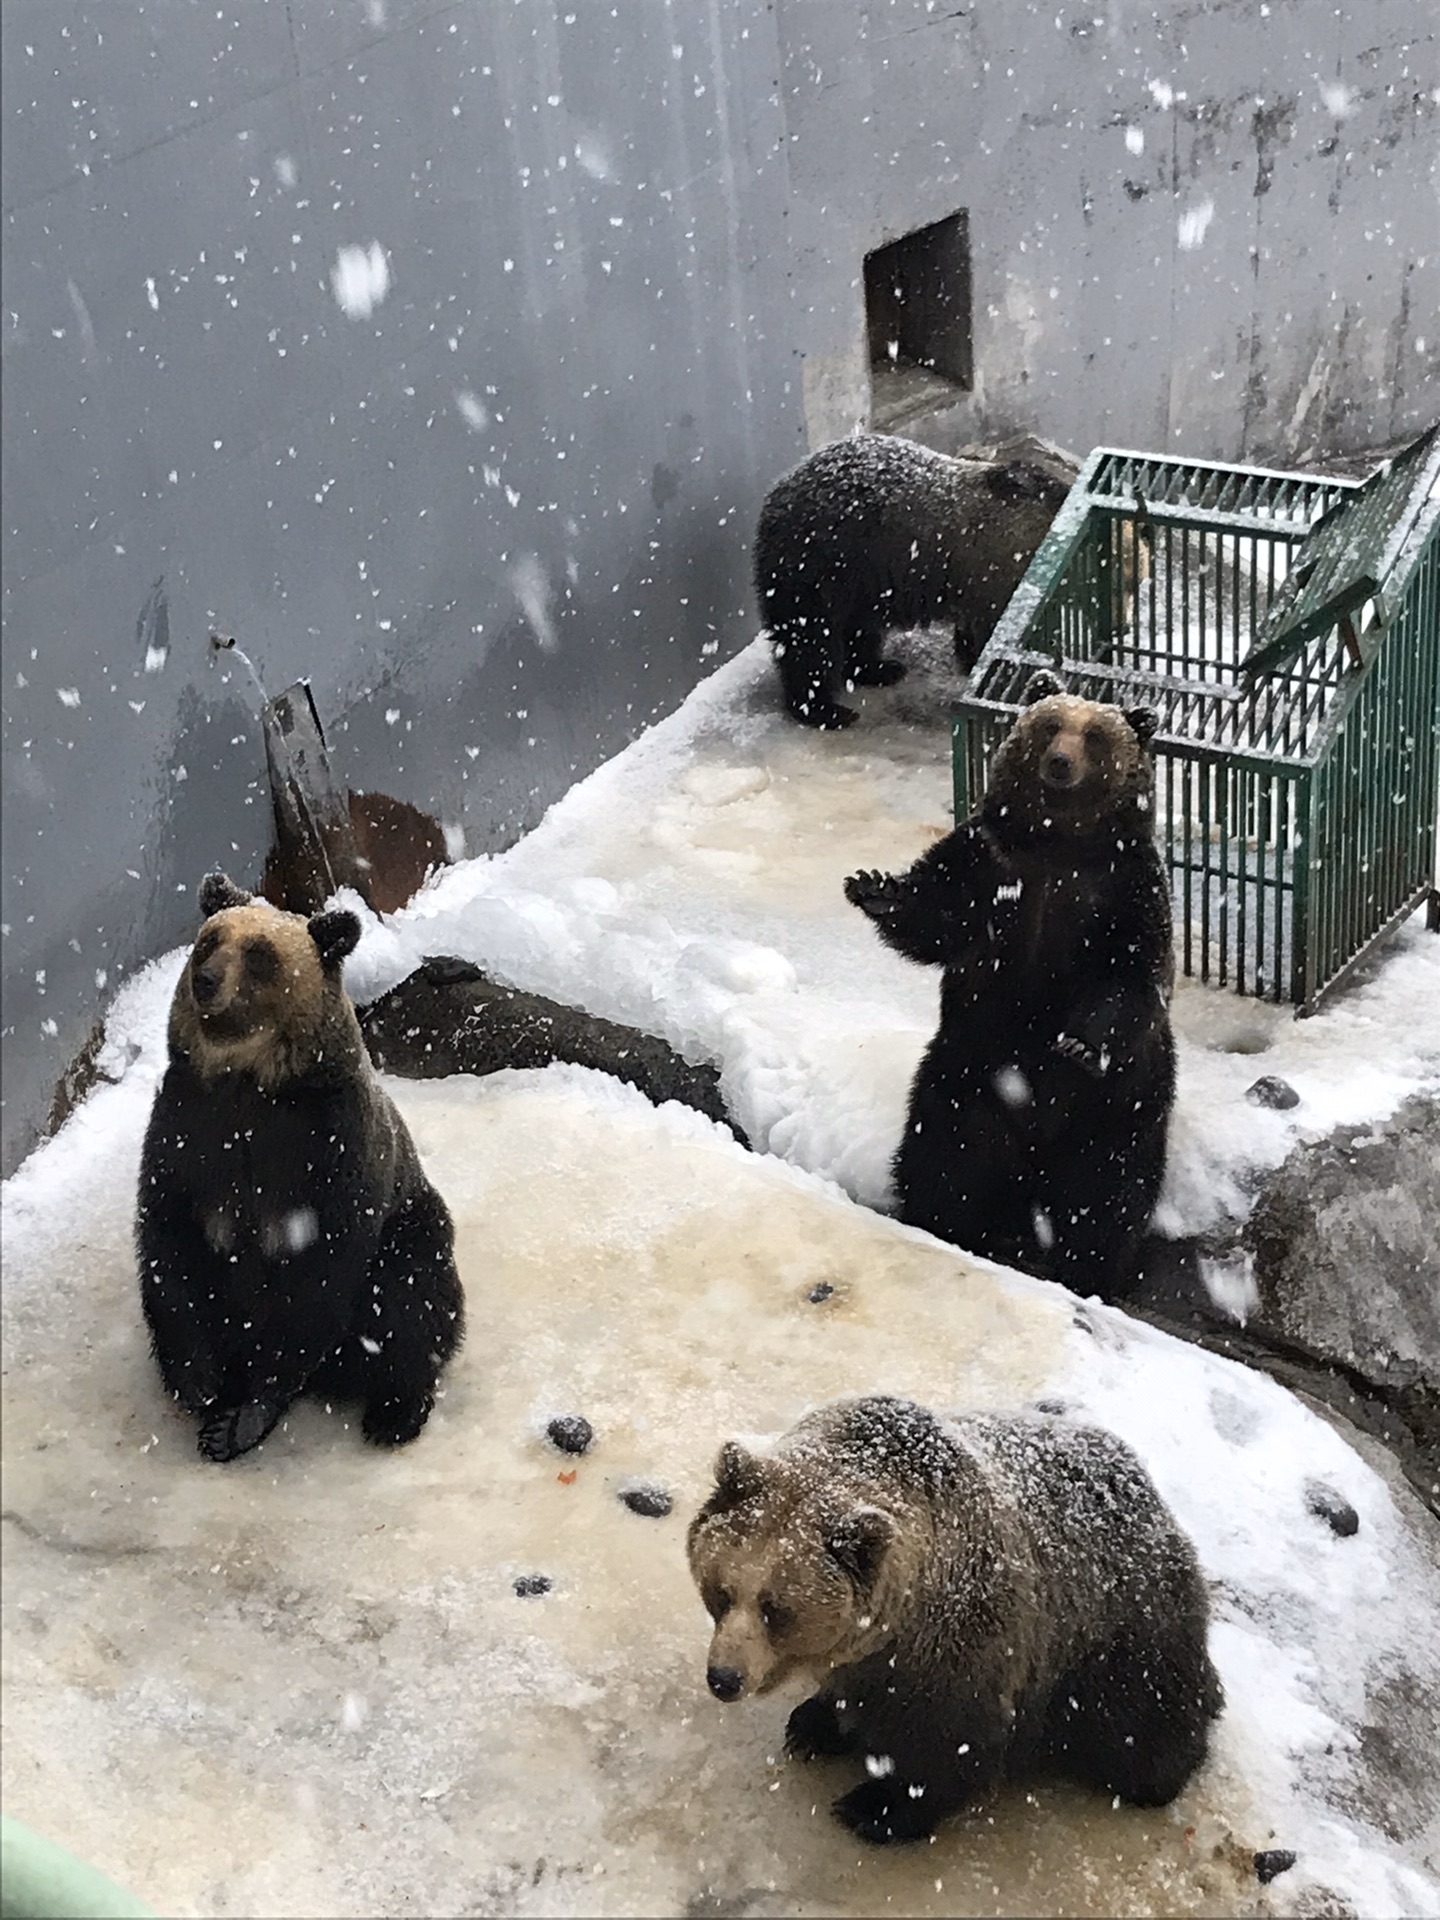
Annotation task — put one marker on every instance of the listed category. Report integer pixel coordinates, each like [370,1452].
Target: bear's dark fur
[288,1239]
[873,533]
[978,1596]
[1037,1121]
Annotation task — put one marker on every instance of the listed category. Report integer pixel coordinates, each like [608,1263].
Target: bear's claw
[1070,1047]
[884,1811]
[235,1430]
[874,893]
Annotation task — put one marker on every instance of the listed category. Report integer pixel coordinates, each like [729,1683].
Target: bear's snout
[205,987]
[1060,769]
[726,1683]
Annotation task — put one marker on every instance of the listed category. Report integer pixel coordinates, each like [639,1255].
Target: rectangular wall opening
[918,321]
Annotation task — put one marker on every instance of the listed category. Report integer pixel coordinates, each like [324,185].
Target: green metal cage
[1286,628]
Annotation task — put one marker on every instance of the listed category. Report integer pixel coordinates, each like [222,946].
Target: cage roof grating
[1226,540]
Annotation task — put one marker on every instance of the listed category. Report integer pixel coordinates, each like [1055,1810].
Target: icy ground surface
[305,1684]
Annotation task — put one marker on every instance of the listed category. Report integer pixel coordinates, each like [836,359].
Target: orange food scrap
[566,1479]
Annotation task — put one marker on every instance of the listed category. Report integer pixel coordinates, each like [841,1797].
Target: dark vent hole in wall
[917,318]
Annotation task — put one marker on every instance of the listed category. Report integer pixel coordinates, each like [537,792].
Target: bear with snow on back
[288,1240]
[1037,1120]
[977,1597]
[874,533]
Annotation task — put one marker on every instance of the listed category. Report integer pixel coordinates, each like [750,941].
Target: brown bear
[978,1597]
[874,533]
[288,1239]
[1037,1120]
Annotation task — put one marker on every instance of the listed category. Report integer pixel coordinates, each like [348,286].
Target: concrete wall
[500,516]
[1210,227]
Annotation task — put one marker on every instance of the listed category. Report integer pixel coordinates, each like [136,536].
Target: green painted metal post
[41,1880]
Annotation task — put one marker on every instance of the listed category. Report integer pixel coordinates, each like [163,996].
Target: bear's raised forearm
[935,910]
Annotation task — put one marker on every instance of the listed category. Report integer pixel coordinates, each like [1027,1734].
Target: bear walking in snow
[1037,1120]
[288,1239]
[873,533]
[978,1597]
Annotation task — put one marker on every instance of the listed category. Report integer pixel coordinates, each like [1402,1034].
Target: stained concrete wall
[500,515]
[1210,227]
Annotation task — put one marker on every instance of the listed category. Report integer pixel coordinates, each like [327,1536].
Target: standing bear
[288,1240]
[1037,1120]
[873,533]
[977,1597]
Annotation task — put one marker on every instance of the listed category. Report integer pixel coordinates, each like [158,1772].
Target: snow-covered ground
[305,1683]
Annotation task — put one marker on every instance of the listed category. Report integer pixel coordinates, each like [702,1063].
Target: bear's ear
[739,1475]
[1042,686]
[335,934]
[859,1542]
[1144,723]
[218,891]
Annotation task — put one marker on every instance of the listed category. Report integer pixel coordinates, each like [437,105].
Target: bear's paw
[396,1422]
[813,1729]
[876,894]
[885,1811]
[235,1430]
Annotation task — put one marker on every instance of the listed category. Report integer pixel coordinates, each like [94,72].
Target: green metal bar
[1284,891]
[1301,962]
[1322,993]
[41,1880]
[1262,834]
[960,763]
[1206,784]
[1188,815]
[1223,822]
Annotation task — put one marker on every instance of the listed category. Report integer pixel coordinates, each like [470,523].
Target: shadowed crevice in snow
[447,1017]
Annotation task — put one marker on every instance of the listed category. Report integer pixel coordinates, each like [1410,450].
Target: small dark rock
[1270,1864]
[1271,1091]
[822,1290]
[1331,1507]
[571,1433]
[1050,1406]
[529,1585]
[647,1499]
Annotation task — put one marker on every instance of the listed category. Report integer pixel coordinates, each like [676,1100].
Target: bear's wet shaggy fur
[873,533]
[1037,1120]
[288,1239]
[978,1597]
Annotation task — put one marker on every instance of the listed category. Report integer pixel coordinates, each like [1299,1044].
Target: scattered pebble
[1271,1091]
[570,1432]
[647,1499]
[1271,1863]
[822,1290]
[531,1584]
[1050,1406]
[1331,1507]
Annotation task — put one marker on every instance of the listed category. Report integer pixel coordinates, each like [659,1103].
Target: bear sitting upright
[873,533]
[1037,1120]
[979,1597]
[288,1240]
